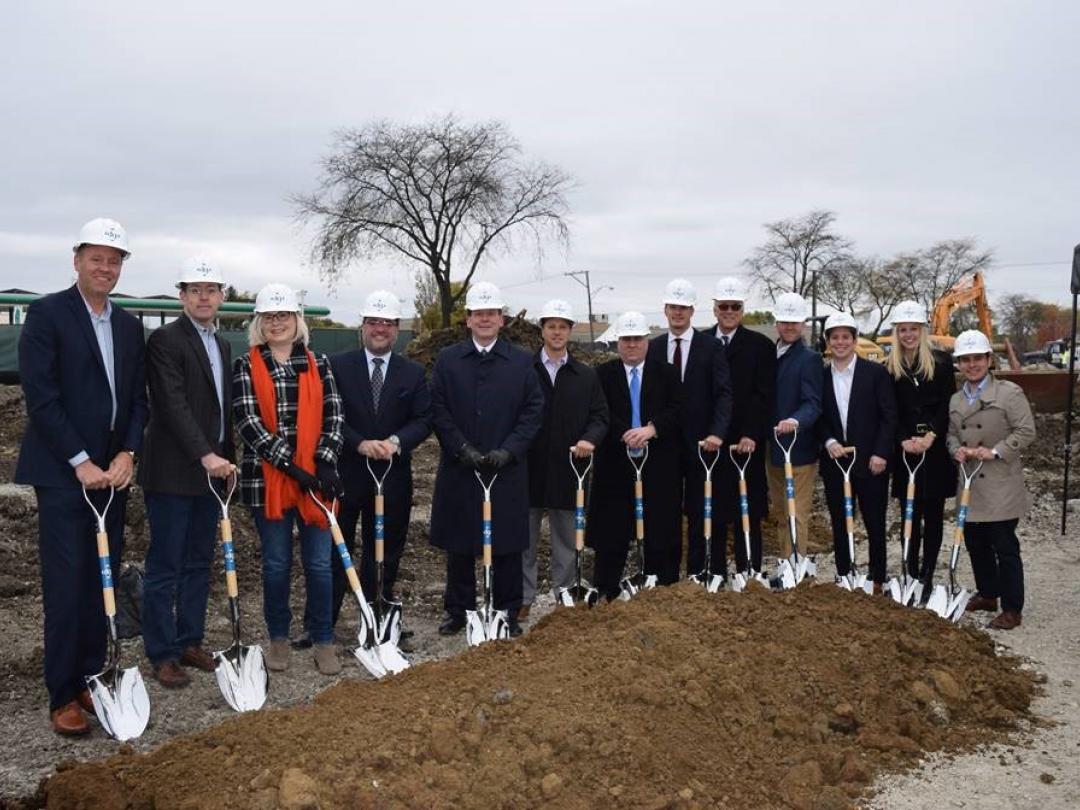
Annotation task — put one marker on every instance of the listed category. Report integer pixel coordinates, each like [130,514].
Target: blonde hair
[255,330]
[924,356]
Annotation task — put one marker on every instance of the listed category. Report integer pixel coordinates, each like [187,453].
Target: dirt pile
[677,699]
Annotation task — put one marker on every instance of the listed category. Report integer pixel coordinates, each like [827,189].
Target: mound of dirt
[677,699]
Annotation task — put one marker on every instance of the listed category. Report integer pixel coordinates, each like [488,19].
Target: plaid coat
[278,448]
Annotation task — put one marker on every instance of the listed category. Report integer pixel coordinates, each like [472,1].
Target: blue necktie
[635,403]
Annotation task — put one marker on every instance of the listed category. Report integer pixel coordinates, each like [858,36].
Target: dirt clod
[297,791]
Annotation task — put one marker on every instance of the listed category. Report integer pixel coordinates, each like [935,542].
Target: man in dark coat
[706,411]
[486,409]
[798,406]
[387,408]
[751,361]
[575,420]
[858,410]
[81,362]
[653,420]
[189,369]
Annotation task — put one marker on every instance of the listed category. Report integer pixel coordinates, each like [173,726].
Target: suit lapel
[82,318]
[195,341]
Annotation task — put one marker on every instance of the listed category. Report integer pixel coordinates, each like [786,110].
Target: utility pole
[588,294]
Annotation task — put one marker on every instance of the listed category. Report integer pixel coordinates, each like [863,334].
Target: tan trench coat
[1001,419]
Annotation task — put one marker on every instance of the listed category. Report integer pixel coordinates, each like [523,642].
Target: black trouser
[695,560]
[995,560]
[610,563]
[75,626]
[506,583]
[360,509]
[927,530]
[693,489]
[871,493]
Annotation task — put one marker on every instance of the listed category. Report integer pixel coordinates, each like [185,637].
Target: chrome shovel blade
[369,660]
[627,589]
[486,625]
[392,658]
[712,583]
[957,605]
[120,702]
[804,568]
[242,677]
[389,637]
[784,579]
[913,593]
[739,582]
[583,594]
[939,601]
[367,652]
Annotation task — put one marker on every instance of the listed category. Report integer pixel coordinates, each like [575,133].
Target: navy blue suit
[404,411]
[490,402]
[69,408]
[871,428]
[798,396]
[706,411]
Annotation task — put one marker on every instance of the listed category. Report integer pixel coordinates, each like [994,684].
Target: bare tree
[927,274]
[795,250]
[1020,318]
[863,287]
[444,194]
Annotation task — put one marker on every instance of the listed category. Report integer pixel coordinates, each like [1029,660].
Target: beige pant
[804,497]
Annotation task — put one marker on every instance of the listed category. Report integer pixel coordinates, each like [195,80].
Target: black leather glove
[329,480]
[301,476]
[498,459]
[470,457]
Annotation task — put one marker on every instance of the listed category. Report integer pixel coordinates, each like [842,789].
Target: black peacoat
[751,359]
[489,402]
[185,413]
[611,505]
[574,409]
[923,405]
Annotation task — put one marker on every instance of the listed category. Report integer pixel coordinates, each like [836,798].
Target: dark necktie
[677,359]
[726,339]
[376,381]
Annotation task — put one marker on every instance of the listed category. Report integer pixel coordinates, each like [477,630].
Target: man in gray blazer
[189,436]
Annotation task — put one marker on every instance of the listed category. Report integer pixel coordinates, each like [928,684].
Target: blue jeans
[183,529]
[315,547]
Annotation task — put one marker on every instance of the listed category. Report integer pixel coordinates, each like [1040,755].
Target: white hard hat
[680,292]
[971,342]
[382,304]
[557,308]
[840,319]
[104,232]
[277,298]
[197,270]
[790,308]
[730,288]
[909,312]
[484,295]
[631,324]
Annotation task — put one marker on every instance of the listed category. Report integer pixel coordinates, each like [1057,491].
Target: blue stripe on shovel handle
[105,567]
[849,508]
[789,488]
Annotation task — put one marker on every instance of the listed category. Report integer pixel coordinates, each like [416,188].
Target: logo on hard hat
[112,233]
[277,297]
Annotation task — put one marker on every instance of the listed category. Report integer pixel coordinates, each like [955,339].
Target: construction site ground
[810,699]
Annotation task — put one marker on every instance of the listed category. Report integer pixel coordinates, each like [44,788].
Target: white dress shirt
[842,379]
[371,366]
[730,336]
[686,338]
[484,349]
[551,364]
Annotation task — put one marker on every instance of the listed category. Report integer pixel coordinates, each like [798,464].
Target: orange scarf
[282,492]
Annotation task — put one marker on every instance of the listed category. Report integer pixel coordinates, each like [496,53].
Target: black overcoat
[871,419]
[922,404]
[751,359]
[185,413]
[489,402]
[574,409]
[611,505]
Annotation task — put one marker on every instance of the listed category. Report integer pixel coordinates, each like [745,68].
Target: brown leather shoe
[1006,620]
[171,675]
[983,603]
[84,701]
[523,611]
[69,720]
[199,658]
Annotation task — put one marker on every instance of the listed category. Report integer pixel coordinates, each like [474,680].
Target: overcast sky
[686,126]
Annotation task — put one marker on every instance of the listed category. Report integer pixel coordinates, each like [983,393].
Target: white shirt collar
[482,349]
[199,327]
[850,367]
[371,356]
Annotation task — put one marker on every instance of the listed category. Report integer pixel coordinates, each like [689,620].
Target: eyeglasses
[380,322]
[278,316]
[733,307]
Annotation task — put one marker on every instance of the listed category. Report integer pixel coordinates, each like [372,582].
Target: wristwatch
[394,440]
[132,453]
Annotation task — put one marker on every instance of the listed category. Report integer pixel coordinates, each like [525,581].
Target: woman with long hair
[289,416]
[924,383]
